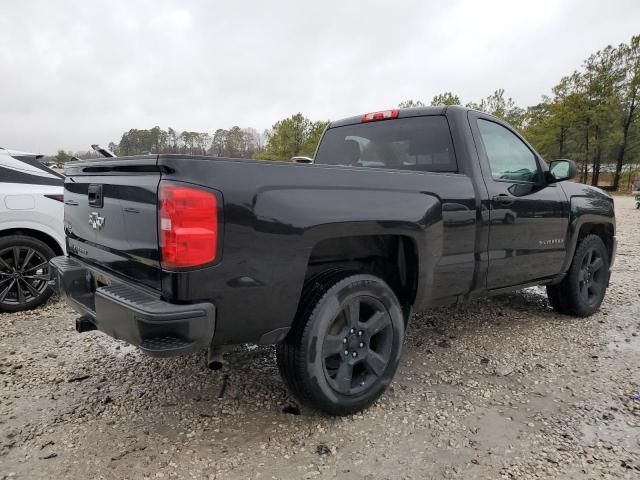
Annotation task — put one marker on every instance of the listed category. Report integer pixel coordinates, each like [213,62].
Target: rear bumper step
[129,313]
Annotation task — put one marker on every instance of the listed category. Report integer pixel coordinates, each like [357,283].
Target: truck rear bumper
[130,313]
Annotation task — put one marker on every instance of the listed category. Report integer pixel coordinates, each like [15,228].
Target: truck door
[528,217]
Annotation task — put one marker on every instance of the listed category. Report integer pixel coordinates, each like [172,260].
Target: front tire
[345,344]
[24,273]
[583,289]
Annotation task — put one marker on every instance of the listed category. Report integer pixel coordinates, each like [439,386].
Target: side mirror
[302,160]
[560,170]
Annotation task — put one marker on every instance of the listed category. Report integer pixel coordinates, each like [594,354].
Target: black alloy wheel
[592,277]
[344,346]
[583,288]
[357,347]
[24,273]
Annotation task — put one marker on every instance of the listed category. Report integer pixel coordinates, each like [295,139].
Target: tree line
[235,142]
[290,137]
[592,117]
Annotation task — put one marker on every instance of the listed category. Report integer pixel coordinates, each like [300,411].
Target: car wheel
[344,347]
[24,272]
[582,291]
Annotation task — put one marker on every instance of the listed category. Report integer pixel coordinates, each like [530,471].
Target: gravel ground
[501,388]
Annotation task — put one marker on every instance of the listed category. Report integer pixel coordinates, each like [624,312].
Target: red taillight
[384,115]
[188,223]
[59,198]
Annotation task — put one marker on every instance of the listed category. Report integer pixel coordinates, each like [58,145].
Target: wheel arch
[604,230]
[603,227]
[46,238]
[391,257]
[590,211]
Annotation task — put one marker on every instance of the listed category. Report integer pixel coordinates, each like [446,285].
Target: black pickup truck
[400,210]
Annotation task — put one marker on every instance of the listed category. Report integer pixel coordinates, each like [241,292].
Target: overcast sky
[76,73]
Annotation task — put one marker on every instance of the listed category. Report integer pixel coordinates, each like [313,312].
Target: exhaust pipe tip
[215,365]
[85,324]
[215,358]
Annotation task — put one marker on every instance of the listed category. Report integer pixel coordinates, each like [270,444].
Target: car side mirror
[560,170]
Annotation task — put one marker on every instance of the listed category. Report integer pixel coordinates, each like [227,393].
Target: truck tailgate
[111,216]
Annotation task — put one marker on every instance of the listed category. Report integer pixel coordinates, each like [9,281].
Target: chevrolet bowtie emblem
[96,221]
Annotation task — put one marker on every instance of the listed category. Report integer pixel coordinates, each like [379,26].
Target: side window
[509,158]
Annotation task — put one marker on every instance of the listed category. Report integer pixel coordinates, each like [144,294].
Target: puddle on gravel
[527,298]
[616,432]
[619,341]
[536,290]
[625,337]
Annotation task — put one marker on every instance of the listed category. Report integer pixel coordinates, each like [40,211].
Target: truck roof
[402,113]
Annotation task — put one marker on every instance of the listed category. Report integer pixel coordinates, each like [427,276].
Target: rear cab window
[414,143]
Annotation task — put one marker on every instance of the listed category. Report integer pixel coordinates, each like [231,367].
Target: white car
[31,228]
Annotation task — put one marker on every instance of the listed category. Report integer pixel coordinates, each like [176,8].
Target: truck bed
[274,215]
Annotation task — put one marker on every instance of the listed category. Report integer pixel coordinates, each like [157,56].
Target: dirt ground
[501,388]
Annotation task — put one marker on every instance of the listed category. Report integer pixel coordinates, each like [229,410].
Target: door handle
[503,199]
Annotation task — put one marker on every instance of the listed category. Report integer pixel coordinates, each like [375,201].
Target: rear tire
[345,344]
[583,289]
[24,273]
